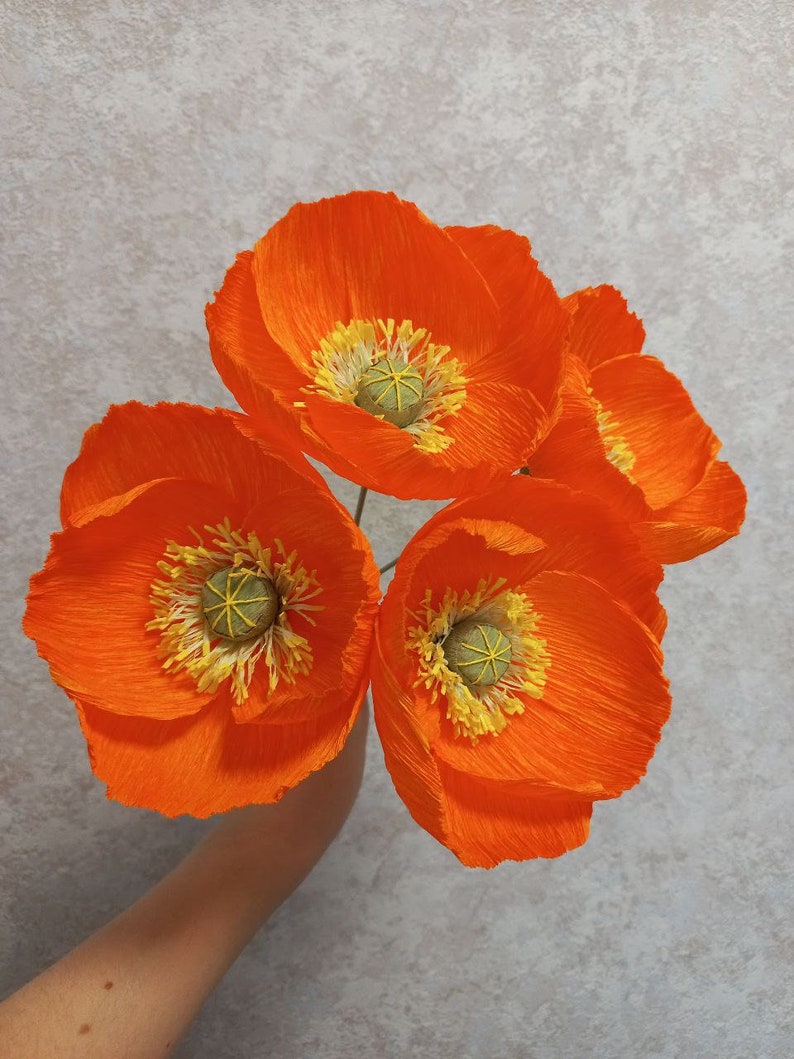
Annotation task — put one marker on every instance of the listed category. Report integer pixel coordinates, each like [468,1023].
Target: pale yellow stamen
[347,353]
[615,445]
[476,710]
[188,643]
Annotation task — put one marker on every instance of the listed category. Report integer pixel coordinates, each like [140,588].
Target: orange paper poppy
[466,333]
[508,769]
[179,715]
[630,433]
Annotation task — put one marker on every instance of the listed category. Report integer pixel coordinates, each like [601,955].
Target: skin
[131,990]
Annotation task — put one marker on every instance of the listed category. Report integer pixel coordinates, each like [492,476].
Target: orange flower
[517,676]
[208,607]
[630,433]
[414,360]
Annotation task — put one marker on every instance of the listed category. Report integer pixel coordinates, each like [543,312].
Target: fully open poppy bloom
[517,676]
[208,607]
[414,360]
[630,433]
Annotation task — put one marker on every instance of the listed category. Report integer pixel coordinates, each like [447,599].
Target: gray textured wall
[642,144]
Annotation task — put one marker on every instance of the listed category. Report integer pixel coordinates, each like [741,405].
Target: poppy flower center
[482,652]
[229,605]
[478,652]
[238,604]
[395,372]
[392,389]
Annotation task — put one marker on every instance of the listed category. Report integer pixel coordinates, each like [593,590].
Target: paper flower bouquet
[216,616]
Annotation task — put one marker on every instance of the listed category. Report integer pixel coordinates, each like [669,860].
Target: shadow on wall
[63,883]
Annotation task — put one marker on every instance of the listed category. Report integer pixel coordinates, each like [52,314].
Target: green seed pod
[393,389]
[478,652]
[238,604]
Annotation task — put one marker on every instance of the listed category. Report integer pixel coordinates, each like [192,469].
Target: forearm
[131,990]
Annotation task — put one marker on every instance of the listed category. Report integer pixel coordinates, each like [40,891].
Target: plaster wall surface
[647,145]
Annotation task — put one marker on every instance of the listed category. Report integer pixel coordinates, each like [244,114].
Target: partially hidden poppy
[208,606]
[630,433]
[517,676]
[418,361]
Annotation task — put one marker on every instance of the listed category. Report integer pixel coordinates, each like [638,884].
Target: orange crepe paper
[340,284]
[629,433]
[511,771]
[157,495]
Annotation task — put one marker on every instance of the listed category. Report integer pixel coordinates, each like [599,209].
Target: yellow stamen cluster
[188,643]
[479,709]
[615,445]
[347,353]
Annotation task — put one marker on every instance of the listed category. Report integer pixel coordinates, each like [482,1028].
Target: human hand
[133,987]
[287,839]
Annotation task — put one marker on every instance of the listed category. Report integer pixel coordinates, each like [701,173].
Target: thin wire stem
[388,566]
[362,496]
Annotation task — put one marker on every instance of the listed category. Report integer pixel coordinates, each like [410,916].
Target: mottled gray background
[643,144]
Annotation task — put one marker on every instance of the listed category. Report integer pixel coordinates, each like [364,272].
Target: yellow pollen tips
[393,371]
[225,607]
[237,604]
[489,634]
[393,389]
[615,445]
[478,652]
[617,448]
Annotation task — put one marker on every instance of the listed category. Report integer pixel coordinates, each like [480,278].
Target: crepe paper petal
[482,823]
[530,317]
[603,328]
[487,823]
[579,533]
[250,363]
[576,715]
[365,278]
[206,763]
[629,433]
[368,255]
[162,503]
[341,631]
[362,448]
[88,608]
[574,452]
[604,702]
[704,518]
[502,418]
[671,447]
[136,443]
